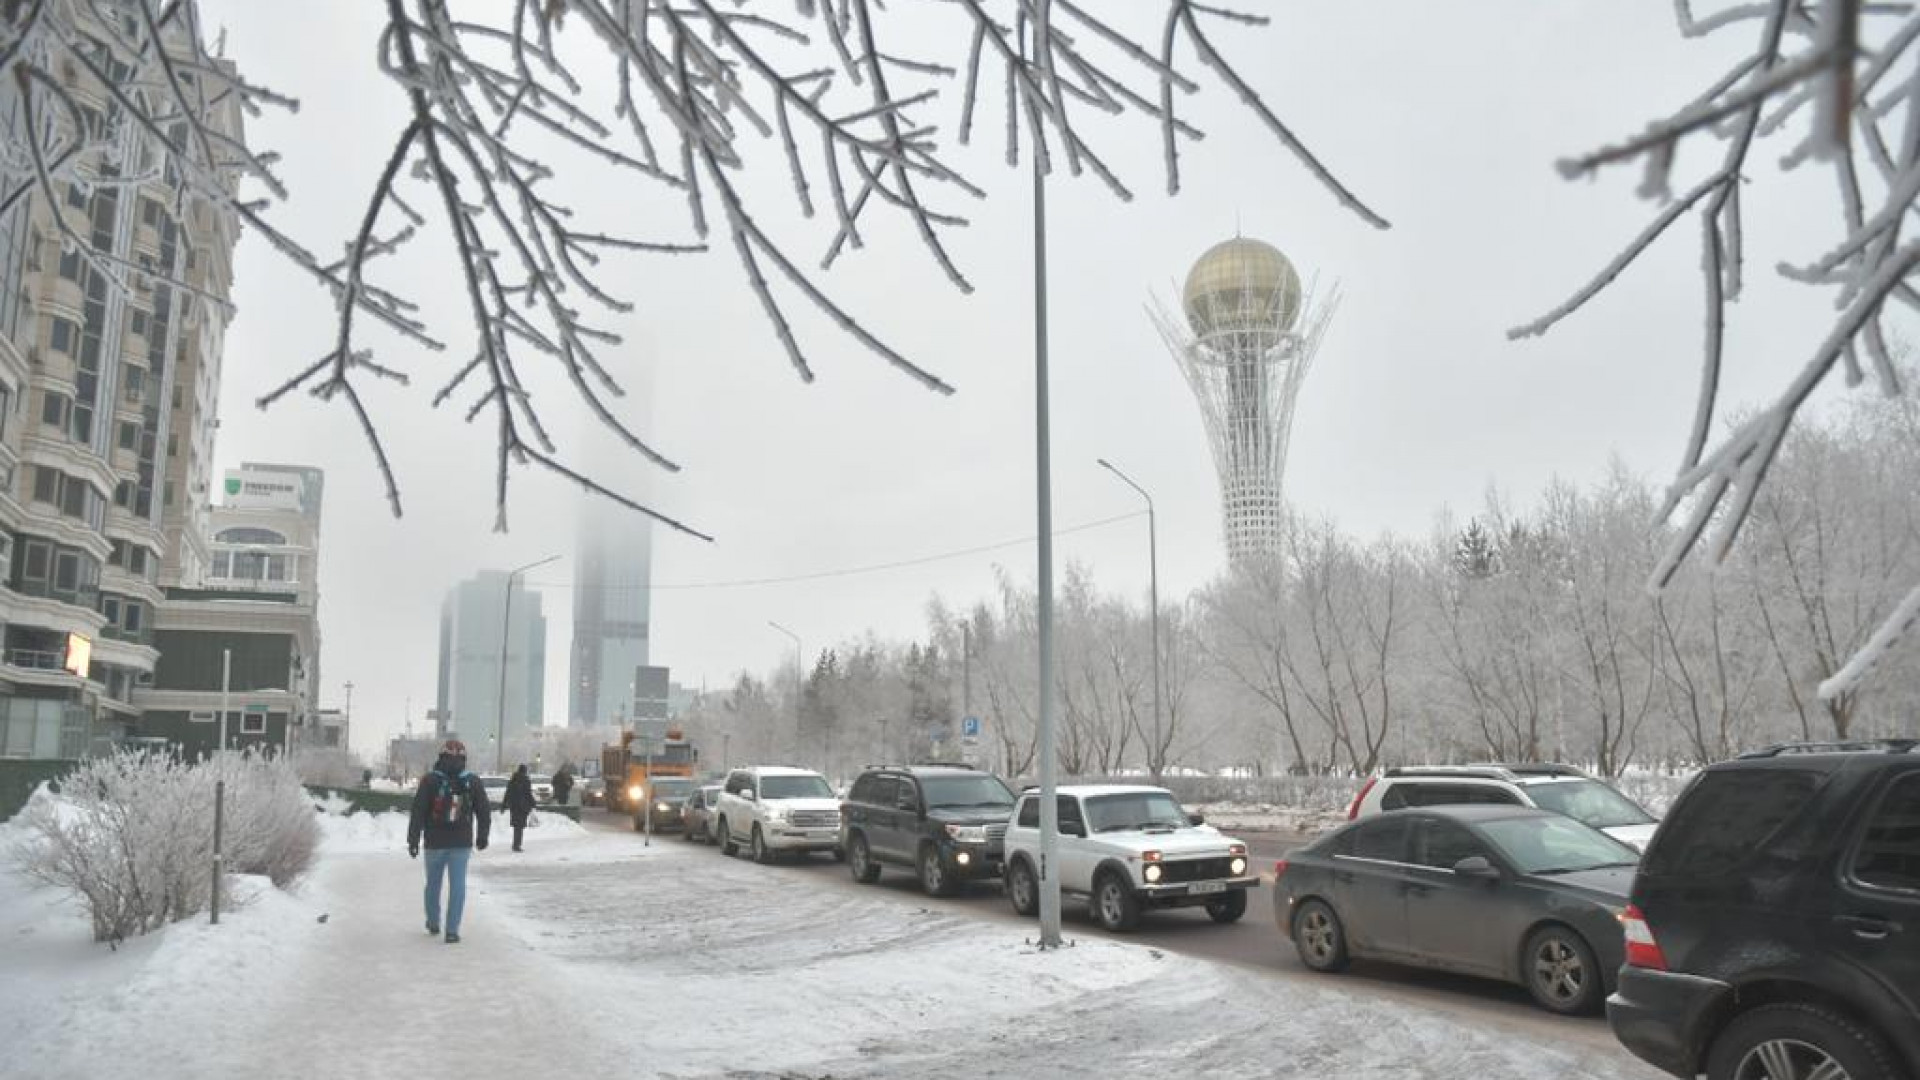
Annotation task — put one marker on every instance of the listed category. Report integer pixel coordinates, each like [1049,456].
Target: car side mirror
[1196,819]
[909,804]
[1072,828]
[748,795]
[1477,866]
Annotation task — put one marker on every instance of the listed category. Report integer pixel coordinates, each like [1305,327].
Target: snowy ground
[591,955]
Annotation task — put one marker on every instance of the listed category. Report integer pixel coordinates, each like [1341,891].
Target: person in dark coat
[451,814]
[519,802]
[563,784]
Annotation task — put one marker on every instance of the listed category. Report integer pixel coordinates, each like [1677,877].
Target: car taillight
[1642,950]
[1354,810]
[1279,869]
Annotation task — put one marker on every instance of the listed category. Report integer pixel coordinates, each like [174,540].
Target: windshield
[795,787]
[540,778]
[1134,810]
[1590,802]
[672,789]
[1555,845]
[966,791]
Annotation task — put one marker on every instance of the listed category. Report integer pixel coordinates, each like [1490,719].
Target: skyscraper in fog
[612,600]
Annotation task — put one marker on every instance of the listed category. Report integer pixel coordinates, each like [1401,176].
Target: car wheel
[1228,908]
[1114,905]
[933,872]
[725,839]
[1796,1041]
[1022,890]
[758,847]
[1562,974]
[1319,938]
[860,861]
[839,854]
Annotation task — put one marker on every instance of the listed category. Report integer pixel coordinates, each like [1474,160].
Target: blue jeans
[451,862]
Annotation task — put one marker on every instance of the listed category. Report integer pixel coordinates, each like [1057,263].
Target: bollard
[219,806]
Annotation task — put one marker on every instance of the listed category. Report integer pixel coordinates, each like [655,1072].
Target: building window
[139,321]
[166,494]
[150,212]
[66,572]
[221,564]
[132,615]
[137,560]
[53,409]
[39,555]
[136,380]
[116,552]
[6,408]
[76,197]
[110,607]
[253,723]
[202,716]
[129,434]
[123,494]
[62,335]
[247,535]
[70,264]
[173,444]
[46,485]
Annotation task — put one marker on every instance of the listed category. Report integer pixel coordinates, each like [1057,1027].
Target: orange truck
[636,777]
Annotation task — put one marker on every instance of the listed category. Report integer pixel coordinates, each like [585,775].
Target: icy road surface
[591,955]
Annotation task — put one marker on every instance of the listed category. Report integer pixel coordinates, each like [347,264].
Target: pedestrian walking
[563,784]
[519,801]
[450,813]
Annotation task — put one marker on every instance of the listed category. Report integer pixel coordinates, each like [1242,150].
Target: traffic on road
[1447,882]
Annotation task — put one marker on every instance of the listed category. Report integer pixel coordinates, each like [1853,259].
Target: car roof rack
[1540,768]
[944,765]
[1849,746]
[1512,772]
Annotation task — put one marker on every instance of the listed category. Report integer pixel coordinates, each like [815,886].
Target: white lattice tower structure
[1247,339]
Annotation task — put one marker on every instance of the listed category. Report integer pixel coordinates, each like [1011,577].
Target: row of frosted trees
[1515,633]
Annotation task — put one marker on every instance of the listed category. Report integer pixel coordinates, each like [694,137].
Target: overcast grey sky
[1446,118]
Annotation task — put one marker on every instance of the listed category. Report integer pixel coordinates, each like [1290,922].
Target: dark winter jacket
[562,784]
[519,798]
[460,834]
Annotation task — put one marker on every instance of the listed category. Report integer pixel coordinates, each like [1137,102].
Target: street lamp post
[1154,763]
[500,705]
[799,676]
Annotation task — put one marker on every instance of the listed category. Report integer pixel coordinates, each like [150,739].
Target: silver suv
[1559,789]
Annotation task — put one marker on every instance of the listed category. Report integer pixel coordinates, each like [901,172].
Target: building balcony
[37,660]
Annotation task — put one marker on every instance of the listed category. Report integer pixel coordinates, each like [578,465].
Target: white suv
[1558,789]
[1126,849]
[776,809]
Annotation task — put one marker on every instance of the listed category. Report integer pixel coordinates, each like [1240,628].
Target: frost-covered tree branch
[499,105]
[1829,83]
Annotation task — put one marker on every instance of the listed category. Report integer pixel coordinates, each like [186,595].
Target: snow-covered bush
[132,834]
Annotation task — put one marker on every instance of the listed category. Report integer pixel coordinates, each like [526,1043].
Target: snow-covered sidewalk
[593,955]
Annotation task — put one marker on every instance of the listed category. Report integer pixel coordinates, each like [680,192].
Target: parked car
[697,819]
[1775,925]
[542,788]
[669,798]
[1126,849]
[1561,789]
[593,791]
[948,823]
[777,809]
[496,789]
[1507,892]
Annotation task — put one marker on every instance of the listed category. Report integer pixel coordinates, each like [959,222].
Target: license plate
[1209,887]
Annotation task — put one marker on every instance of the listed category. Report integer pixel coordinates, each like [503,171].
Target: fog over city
[1446,119]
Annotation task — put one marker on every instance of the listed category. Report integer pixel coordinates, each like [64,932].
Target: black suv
[1774,932]
[947,822]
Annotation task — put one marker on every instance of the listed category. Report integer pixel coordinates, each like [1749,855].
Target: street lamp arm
[1128,480]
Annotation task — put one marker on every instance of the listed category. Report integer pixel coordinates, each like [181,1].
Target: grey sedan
[1507,892]
[698,813]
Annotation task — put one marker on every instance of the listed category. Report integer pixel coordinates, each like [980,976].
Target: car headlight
[1238,866]
[1152,872]
[661,808]
[968,834]
[634,792]
[776,813]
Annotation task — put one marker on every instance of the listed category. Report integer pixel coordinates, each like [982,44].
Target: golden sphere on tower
[1242,285]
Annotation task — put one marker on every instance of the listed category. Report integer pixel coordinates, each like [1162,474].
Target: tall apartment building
[477,620]
[107,399]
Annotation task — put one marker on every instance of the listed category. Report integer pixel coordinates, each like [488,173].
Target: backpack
[452,799]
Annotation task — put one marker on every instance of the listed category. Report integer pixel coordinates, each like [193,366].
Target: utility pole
[346,721]
[799,679]
[1154,762]
[966,669]
[506,623]
[1043,485]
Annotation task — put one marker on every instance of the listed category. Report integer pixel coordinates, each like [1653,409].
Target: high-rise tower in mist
[612,602]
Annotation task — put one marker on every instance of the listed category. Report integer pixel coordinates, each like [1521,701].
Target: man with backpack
[446,807]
